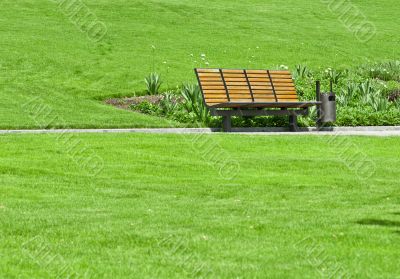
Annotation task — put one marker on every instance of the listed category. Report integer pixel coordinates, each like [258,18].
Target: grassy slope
[43,54]
[128,220]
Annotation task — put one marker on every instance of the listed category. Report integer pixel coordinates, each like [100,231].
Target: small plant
[333,75]
[348,94]
[379,103]
[385,71]
[168,103]
[153,83]
[367,91]
[193,102]
[146,107]
[373,97]
[302,72]
[397,104]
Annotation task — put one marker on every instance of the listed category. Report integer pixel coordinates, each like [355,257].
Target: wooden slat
[263,91]
[215,96]
[287,96]
[237,95]
[207,70]
[264,72]
[281,77]
[229,79]
[212,83]
[205,79]
[230,87]
[261,87]
[261,75]
[259,79]
[284,82]
[214,91]
[213,87]
[272,72]
[236,83]
[232,71]
[287,87]
[285,93]
[209,74]
[233,91]
[241,75]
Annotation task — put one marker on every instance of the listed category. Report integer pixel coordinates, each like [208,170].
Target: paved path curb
[352,131]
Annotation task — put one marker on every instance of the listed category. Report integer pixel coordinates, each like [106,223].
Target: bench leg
[226,124]
[293,123]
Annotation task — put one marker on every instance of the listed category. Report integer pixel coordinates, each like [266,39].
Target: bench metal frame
[227,114]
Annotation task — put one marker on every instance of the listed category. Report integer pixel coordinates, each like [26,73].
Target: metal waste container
[326,111]
[328,107]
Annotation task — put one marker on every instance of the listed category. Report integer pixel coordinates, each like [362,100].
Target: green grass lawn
[159,208]
[43,54]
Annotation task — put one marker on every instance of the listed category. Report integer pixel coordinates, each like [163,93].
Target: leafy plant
[153,83]
[168,103]
[146,107]
[302,72]
[373,97]
[193,102]
[333,75]
[397,104]
[347,95]
[385,71]
[367,91]
[380,104]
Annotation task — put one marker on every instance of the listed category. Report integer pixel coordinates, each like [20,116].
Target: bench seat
[265,105]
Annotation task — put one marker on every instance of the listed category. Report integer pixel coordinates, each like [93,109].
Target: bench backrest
[246,86]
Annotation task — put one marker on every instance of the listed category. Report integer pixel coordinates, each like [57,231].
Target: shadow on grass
[376,222]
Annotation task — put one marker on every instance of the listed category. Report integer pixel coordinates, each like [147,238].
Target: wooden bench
[229,92]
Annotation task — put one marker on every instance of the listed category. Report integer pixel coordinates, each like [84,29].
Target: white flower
[207,63]
[165,62]
[203,55]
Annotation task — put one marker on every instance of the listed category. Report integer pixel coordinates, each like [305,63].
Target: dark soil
[126,103]
[394,96]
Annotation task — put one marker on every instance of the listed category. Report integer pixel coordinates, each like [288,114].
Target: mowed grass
[158,208]
[45,55]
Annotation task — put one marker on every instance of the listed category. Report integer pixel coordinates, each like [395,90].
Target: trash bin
[326,111]
[328,107]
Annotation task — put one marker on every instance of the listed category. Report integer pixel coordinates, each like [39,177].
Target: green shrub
[386,71]
[193,102]
[146,107]
[333,75]
[366,116]
[301,72]
[347,95]
[153,83]
[168,103]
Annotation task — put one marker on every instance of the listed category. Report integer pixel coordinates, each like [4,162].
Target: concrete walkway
[345,131]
